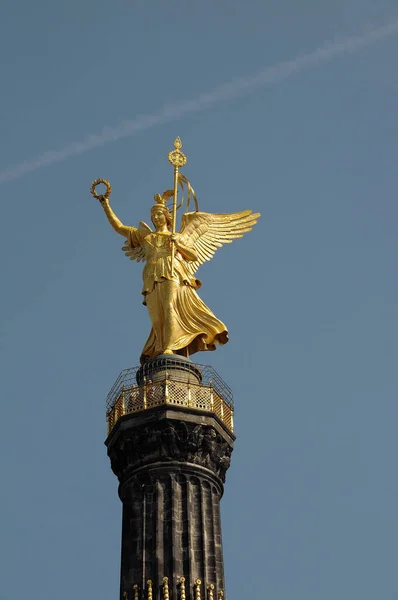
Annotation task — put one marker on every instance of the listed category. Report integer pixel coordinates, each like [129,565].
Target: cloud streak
[228,91]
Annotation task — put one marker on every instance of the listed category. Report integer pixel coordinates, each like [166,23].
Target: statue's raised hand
[101,197]
[174,238]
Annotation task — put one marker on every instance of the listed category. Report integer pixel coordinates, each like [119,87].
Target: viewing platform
[170,380]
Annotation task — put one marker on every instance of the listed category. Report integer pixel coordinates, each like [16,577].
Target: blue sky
[309,296]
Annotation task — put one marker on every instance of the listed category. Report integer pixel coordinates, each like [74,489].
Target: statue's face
[158,218]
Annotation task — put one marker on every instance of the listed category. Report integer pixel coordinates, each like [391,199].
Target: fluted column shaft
[171,464]
[171,528]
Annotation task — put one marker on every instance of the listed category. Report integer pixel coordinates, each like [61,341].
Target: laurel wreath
[101,197]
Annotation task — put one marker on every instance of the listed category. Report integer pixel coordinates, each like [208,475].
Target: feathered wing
[205,232]
[133,247]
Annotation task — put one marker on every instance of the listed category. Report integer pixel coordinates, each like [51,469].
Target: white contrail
[237,87]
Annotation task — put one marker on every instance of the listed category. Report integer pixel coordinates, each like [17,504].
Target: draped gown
[181,321]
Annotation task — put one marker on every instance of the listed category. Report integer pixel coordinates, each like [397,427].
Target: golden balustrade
[169,392]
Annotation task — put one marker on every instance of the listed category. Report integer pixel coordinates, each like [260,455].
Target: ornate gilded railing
[211,394]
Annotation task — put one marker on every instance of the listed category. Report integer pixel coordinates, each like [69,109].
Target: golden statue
[181,321]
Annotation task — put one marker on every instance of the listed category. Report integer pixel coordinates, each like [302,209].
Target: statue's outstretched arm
[114,220]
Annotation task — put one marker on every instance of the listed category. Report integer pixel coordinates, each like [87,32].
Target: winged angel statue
[181,321]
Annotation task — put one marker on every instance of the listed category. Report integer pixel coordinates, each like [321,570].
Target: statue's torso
[157,249]
[157,246]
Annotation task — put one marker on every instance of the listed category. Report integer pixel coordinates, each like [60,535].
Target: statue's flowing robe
[181,321]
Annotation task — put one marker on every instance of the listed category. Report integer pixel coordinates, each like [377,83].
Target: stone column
[171,463]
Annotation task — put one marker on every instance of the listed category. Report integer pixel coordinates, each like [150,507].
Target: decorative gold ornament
[182,588]
[101,197]
[176,157]
[149,589]
[220,595]
[135,590]
[181,321]
[210,590]
[198,583]
[166,588]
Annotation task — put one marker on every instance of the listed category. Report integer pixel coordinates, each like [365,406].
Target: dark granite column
[171,463]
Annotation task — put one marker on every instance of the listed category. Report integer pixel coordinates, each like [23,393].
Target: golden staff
[178,159]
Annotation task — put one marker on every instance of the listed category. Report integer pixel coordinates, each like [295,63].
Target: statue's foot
[168,351]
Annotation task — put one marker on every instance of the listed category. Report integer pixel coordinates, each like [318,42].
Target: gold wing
[133,247]
[205,232]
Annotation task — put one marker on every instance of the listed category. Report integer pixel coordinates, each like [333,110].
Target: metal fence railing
[205,391]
